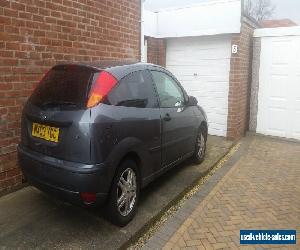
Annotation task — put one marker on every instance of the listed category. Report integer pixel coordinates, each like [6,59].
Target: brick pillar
[156,51]
[240,81]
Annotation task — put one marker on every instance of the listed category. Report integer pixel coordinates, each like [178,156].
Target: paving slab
[257,188]
[32,219]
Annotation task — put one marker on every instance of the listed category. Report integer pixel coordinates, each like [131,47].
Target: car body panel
[118,130]
[63,178]
[178,133]
[74,134]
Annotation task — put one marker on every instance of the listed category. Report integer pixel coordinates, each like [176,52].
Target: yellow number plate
[45,132]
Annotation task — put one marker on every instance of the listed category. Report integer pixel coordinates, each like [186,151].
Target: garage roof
[207,18]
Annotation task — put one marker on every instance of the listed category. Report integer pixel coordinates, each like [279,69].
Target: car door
[178,120]
[137,114]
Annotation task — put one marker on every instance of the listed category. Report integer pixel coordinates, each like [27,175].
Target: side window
[134,90]
[169,92]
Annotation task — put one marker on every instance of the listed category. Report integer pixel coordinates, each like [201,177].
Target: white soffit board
[208,18]
[202,65]
[279,86]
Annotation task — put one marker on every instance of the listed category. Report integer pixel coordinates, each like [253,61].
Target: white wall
[149,23]
[208,18]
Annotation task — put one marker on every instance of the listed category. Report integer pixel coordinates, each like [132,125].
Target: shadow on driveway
[30,218]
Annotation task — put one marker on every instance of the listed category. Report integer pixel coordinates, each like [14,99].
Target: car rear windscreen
[64,85]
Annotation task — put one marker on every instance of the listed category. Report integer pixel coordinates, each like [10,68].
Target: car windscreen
[64,85]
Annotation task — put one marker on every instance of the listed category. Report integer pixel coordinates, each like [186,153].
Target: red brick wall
[240,80]
[36,34]
[156,51]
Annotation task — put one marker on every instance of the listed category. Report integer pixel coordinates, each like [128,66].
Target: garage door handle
[167,117]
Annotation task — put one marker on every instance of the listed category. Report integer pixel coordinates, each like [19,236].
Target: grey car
[98,134]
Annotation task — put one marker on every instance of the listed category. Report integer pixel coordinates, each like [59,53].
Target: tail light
[100,88]
[88,197]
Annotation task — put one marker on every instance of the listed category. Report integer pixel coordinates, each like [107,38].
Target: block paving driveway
[30,219]
[258,188]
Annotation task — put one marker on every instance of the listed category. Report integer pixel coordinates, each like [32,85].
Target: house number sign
[234,49]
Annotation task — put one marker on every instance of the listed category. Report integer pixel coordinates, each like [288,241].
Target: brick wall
[36,34]
[156,51]
[240,81]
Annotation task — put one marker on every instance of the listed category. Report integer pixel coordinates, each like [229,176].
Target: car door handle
[167,117]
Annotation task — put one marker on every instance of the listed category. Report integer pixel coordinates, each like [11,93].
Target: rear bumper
[65,179]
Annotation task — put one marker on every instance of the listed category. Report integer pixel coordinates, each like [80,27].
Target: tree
[259,9]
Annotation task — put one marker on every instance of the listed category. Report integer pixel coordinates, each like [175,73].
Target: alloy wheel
[200,145]
[126,192]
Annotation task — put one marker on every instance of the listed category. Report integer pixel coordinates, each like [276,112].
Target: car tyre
[200,147]
[124,194]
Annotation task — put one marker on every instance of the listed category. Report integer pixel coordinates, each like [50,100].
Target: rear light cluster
[100,88]
[88,197]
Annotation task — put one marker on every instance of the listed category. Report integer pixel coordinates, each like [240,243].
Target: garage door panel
[216,118]
[209,95]
[298,104]
[278,103]
[280,70]
[189,61]
[279,47]
[206,88]
[296,130]
[203,70]
[220,80]
[208,55]
[200,72]
[213,103]
[277,121]
[210,99]
[214,129]
[202,65]
[279,87]
[200,44]
[215,83]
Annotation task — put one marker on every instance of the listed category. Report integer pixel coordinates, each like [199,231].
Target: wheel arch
[129,148]
[204,126]
[133,155]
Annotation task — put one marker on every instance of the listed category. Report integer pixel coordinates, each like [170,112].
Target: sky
[284,8]
[288,9]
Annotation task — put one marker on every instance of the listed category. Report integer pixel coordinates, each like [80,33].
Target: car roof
[118,68]
[121,71]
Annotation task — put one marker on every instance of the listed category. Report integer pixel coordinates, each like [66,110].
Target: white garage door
[279,87]
[202,65]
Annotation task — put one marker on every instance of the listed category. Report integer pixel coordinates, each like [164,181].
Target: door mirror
[192,101]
